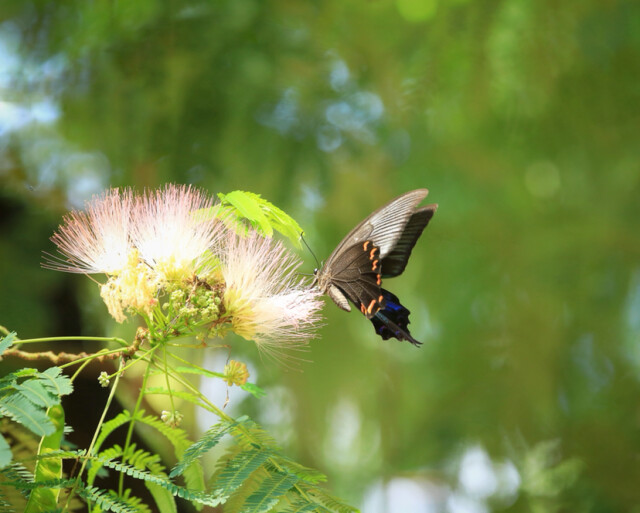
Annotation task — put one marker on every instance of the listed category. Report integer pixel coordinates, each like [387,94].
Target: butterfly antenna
[310,250]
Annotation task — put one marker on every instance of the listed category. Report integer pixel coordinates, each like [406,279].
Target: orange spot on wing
[379,282]
[366,243]
[362,308]
[371,305]
[372,254]
[375,264]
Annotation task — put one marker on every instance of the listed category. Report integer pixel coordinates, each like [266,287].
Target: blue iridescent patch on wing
[393,320]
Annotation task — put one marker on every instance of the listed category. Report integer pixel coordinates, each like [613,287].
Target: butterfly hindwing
[393,319]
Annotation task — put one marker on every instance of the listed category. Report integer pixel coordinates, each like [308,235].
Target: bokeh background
[522,117]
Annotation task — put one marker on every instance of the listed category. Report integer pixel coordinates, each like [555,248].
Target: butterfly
[379,247]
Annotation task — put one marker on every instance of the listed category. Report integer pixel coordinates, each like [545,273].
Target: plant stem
[168,381]
[134,414]
[120,341]
[95,435]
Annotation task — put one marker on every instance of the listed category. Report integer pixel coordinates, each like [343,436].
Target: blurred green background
[522,117]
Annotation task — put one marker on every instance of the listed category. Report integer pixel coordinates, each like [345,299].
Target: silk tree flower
[173,234]
[96,240]
[263,297]
[134,288]
[165,244]
[140,242]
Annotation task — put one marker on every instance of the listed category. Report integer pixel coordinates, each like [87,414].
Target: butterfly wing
[392,320]
[381,243]
[394,263]
[356,277]
[383,227]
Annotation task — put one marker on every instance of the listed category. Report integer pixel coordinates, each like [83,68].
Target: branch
[59,358]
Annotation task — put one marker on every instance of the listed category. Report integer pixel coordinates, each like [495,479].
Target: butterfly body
[379,247]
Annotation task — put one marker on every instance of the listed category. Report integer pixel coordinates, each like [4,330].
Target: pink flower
[96,240]
[139,242]
[174,233]
[266,301]
[165,244]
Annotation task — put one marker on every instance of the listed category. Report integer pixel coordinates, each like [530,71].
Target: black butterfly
[379,247]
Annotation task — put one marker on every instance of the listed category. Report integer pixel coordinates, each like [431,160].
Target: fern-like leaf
[163,481]
[95,465]
[19,473]
[321,497]
[304,506]
[237,471]
[141,459]
[270,492]
[6,342]
[109,427]
[307,474]
[193,473]
[21,410]
[106,500]
[27,401]
[209,440]
[36,392]
[250,435]
[56,382]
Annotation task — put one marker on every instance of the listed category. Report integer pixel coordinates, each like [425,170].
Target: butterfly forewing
[394,263]
[358,277]
[383,227]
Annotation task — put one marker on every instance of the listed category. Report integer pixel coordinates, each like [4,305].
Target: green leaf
[20,409]
[236,471]
[307,474]
[322,497]
[270,492]
[6,342]
[109,427]
[249,208]
[26,371]
[44,498]
[206,442]
[249,435]
[304,506]
[163,498]
[17,473]
[163,481]
[282,222]
[106,500]
[56,382]
[37,393]
[254,390]
[5,453]
[193,474]
[263,215]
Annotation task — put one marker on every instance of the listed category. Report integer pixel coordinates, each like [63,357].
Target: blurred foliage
[520,117]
